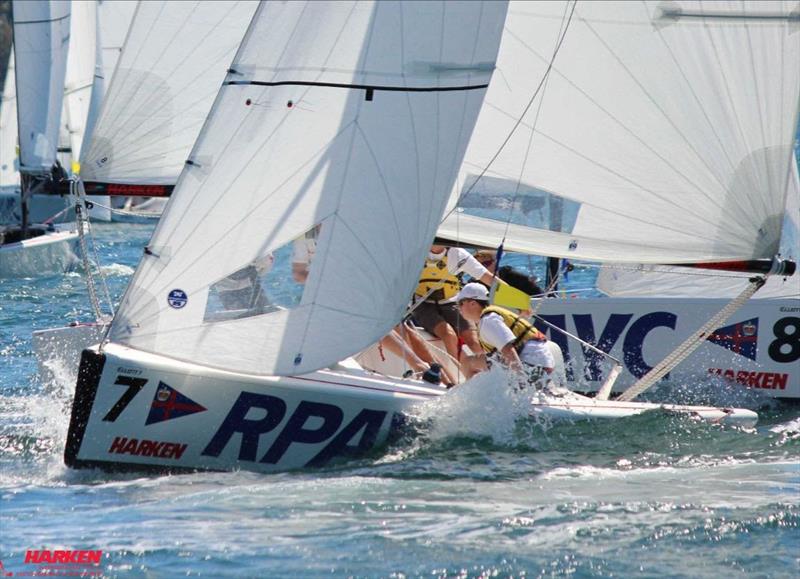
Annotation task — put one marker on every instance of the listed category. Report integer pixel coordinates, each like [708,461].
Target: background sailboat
[40,47]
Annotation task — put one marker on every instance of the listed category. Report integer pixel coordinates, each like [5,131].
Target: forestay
[9,171]
[670,123]
[336,137]
[41,41]
[174,59]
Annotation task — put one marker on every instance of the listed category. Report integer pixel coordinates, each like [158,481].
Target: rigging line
[562,34]
[463,126]
[519,120]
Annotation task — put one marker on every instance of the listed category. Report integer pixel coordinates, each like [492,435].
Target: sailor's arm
[510,357]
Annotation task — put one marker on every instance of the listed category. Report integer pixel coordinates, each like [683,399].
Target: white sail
[41,41]
[98,87]
[658,281]
[345,122]
[9,162]
[80,71]
[670,123]
[114,18]
[174,59]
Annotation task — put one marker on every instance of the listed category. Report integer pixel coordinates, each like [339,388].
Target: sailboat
[342,123]
[36,249]
[168,72]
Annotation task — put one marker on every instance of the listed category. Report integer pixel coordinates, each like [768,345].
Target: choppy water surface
[470,491]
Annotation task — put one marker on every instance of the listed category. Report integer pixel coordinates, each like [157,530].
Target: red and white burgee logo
[59,563]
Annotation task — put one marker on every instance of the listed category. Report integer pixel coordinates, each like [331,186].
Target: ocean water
[471,490]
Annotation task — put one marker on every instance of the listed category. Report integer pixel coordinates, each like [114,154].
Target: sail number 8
[786,345]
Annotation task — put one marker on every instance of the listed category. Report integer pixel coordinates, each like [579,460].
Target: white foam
[486,405]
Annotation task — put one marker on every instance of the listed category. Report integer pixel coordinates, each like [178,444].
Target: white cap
[473,291]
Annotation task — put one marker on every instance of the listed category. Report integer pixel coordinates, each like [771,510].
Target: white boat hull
[573,406]
[53,252]
[138,411]
[224,420]
[758,348]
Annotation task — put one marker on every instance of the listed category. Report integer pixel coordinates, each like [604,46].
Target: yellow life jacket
[435,276]
[522,329]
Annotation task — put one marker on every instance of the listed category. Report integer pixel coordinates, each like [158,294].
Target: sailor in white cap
[501,331]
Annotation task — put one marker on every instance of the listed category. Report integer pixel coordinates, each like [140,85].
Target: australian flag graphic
[168,403]
[741,338]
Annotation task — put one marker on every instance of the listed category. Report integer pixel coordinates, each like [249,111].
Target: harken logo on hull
[168,403]
[741,338]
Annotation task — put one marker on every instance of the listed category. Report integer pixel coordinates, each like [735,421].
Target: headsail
[41,41]
[80,71]
[340,126]
[174,59]
[670,123]
[114,19]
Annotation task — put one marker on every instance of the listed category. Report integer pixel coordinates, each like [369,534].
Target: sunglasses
[486,262]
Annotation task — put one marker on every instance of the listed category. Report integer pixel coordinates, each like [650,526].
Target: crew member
[518,343]
[437,289]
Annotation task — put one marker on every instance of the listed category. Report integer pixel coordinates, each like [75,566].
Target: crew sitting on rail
[519,344]
[438,286]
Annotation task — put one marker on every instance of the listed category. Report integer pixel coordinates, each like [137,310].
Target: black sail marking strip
[369,87]
[18,22]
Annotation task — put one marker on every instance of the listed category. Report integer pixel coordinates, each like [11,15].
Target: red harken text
[765,380]
[66,556]
[136,447]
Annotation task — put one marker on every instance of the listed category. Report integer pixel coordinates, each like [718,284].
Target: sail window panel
[511,202]
[684,114]
[41,41]
[273,282]
[176,55]
[276,159]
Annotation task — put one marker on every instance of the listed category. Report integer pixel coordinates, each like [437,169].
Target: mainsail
[173,61]
[41,41]
[340,126]
[671,124]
